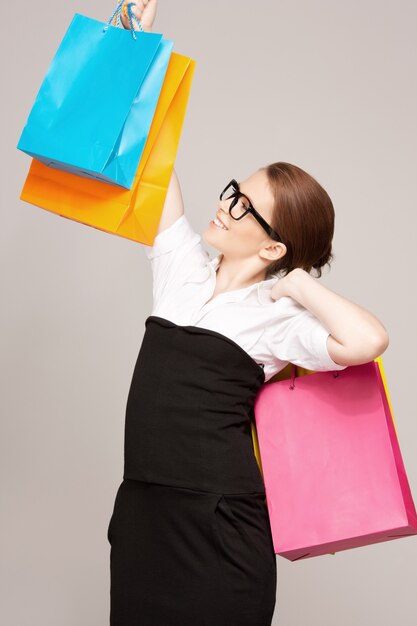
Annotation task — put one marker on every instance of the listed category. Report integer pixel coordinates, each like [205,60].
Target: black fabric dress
[190,537]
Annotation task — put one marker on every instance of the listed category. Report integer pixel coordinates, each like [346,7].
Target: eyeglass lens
[239,204]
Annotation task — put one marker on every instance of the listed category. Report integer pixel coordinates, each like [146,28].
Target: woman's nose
[224,205]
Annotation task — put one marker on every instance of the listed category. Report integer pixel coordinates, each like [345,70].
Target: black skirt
[184,557]
[190,537]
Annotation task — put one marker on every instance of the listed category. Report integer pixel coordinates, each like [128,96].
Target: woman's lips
[217,225]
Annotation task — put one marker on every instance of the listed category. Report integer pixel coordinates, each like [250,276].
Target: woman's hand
[145,11]
[282,286]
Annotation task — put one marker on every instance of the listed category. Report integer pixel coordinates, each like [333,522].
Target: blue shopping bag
[93,111]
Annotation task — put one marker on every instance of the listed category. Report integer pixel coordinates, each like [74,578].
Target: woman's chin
[208,236]
[212,235]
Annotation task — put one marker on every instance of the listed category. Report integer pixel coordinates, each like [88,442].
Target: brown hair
[304,218]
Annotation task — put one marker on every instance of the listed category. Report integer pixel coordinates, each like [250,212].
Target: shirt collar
[262,287]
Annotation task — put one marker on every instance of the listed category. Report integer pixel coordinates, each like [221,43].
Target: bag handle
[131,16]
[294,371]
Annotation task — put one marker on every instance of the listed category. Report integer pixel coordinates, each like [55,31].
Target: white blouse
[272,332]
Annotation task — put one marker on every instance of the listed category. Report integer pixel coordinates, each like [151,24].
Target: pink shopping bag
[332,467]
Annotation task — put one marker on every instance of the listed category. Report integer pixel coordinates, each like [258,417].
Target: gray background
[327,85]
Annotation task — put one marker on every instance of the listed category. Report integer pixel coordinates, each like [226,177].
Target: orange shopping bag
[131,213]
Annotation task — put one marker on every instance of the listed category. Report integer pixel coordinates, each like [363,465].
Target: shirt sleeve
[298,336]
[176,251]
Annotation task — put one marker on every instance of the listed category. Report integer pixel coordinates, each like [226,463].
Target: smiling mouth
[219,224]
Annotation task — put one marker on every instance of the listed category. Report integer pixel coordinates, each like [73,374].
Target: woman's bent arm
[356,335]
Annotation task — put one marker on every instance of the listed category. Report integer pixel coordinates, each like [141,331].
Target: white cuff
[320,341]
[170,238]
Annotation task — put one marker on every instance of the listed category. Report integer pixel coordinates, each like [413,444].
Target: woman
[190,537]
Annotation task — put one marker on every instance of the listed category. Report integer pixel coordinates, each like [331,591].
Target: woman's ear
[274,251]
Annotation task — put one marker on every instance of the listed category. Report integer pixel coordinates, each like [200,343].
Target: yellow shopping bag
[131,213]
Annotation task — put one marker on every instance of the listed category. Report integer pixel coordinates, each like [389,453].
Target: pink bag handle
[293,377]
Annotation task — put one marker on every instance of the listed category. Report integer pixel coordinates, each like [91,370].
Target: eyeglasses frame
[251,209]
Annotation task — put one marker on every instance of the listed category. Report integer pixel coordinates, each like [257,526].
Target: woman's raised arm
[145,11]
[174,206]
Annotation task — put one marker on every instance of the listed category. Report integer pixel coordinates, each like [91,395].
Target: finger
[139,7]
[137,10]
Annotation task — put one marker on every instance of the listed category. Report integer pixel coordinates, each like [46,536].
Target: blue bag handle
[132,17]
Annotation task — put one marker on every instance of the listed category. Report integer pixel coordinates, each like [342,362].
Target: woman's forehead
[257,189]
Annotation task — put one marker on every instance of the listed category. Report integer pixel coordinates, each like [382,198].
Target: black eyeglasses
[241,205]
